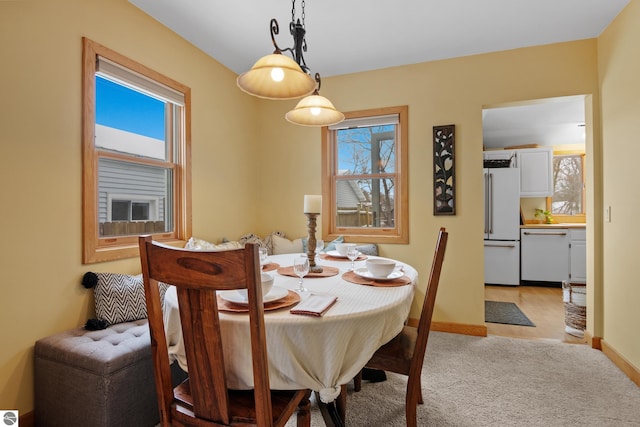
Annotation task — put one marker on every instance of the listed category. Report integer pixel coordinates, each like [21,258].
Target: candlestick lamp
[312,208]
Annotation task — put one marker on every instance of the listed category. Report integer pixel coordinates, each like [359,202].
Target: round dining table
[321,353]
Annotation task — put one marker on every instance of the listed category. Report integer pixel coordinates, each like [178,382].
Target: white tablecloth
[318,353]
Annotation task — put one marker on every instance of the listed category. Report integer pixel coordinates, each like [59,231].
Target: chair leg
[411,407]
[413,397]
[341,402]
[357,381]
[304,412]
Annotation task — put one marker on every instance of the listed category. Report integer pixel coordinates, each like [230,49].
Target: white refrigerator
[502,226]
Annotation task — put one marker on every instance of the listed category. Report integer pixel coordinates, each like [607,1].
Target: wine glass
[352,254]
[301,268]
[264,257]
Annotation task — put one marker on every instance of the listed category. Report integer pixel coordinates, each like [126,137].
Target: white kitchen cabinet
[578,255]
[544,254]
[536,171]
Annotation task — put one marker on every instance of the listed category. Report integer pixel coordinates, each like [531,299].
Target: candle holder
[311,243]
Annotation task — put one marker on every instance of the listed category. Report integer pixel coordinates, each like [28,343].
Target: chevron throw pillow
[120,297]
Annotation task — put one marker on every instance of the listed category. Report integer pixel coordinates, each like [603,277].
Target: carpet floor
[497,381]
[505,312]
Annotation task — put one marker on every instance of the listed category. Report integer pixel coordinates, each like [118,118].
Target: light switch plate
[607,214]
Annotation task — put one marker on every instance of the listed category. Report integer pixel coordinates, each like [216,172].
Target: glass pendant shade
[314,110]
[276,76]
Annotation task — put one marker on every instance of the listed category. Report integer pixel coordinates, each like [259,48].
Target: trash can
[574,296]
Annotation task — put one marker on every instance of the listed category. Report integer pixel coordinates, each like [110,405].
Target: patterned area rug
[507,313]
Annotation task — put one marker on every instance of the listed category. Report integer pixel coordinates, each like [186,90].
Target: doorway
[560,123]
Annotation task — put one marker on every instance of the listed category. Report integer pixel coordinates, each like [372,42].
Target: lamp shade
[276,76]
[314,110]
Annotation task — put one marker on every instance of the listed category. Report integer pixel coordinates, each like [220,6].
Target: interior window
[365,167]
[135,145]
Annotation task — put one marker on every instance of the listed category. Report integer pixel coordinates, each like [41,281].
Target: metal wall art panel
[444,176]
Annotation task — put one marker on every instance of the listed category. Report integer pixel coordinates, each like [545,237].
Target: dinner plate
[274,294]
[363,272]
[335,254]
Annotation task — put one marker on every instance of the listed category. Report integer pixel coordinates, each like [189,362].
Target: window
[136,145]
[365,170]
[568,201]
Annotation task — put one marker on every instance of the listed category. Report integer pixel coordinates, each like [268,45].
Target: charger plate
[270,266]
[364,272]
[330,257]
[274,294]
[352,277]
[326,272]
[291,299]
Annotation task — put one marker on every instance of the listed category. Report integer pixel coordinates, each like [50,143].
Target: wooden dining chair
[204,399]
[404,354]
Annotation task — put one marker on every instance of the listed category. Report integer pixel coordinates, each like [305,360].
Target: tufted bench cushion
[96,378]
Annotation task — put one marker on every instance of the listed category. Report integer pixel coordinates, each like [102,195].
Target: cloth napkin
[314,305]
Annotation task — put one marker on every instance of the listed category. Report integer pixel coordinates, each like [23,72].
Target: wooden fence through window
[122,228]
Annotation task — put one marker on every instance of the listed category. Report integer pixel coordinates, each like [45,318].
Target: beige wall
[619,68]
[437,93]
[40,148]
[251,168]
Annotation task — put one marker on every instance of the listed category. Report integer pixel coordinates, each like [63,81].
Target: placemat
[361,257]
[292,298]
[326,272]
[270,266]
[352,277]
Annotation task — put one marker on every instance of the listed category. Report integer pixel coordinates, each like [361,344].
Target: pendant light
[276,76]
[315,110]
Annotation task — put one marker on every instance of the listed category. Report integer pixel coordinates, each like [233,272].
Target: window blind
[390,119]
[129,78]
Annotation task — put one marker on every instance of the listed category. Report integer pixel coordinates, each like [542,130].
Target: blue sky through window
[122,108]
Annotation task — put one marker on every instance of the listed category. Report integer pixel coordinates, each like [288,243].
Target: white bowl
[380,267]
[343,248]
[267,284]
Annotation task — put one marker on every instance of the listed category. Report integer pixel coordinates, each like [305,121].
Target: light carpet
[497,381]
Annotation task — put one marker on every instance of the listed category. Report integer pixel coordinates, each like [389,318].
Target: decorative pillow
[202,245]
[268,241]
[282,245]
[368,249]
[250,238]
[331,246]
[119,297]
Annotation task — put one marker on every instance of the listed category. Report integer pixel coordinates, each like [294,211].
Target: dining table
[318,351]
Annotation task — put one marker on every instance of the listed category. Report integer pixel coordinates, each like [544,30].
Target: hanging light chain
[293,12]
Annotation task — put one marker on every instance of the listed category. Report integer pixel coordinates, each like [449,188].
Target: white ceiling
[349,36]
[548,122]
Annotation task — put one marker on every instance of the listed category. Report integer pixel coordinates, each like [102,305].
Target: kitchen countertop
[558,225]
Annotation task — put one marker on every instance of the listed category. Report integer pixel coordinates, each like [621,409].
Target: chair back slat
[203,348]
[197,275]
